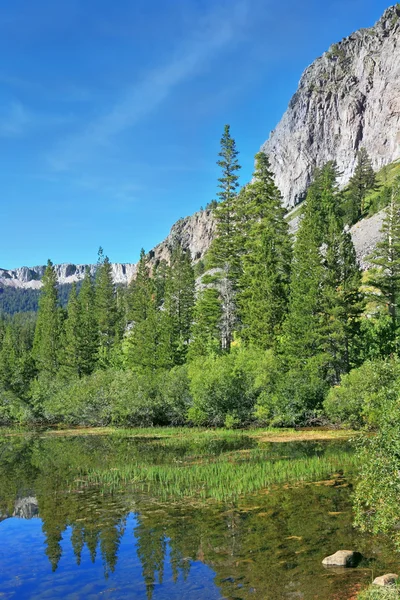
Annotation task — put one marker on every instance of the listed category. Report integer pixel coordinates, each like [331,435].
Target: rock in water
[342,558]
[388,579]
[347,99]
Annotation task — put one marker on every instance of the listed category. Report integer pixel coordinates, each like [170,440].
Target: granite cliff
[347,99]
[194,233]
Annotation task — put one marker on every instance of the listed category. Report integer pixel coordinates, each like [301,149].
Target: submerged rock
[342,558]
[388,579]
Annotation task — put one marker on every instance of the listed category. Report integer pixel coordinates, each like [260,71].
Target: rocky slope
[194,233]
[348,98]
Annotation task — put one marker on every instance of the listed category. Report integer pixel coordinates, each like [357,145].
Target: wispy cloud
[16,120]
[217,30]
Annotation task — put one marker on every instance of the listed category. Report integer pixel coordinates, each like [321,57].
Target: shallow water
[78,521]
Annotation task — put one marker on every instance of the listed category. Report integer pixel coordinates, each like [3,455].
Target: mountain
[347,99]
[194,233]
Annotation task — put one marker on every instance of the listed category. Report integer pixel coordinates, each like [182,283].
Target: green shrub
[364,393]
[222,388]
[13,410]
[375,592]
[292,398]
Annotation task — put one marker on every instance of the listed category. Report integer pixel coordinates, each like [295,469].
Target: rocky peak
[194,233]
[347,99]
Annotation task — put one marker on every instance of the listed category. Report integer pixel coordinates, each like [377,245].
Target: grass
[267,435]
[375,592]
[224,477]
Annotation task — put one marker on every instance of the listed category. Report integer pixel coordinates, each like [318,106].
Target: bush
[86,401]
[12,409]
[292,398]
[223,388]
[364,393]
[375,592]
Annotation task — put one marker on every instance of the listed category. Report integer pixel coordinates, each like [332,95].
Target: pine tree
[302,328]
[46,343]
[160,273]
[179,301]
[88,323]
[362,182]
[264,285]
[225,250]
[106,310]
[342,304]
[325,302]
[140,293]
[148,344]
[386,258]
[206,329]
[8,359]
[70,354]
[324,201]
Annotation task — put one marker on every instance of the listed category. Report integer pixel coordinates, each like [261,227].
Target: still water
[208,517]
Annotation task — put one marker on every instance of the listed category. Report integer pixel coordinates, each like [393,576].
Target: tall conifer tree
[179,301]
[264,285]
[386,259]
[89,332]
[107,314]
[362,182]
[224,251]
[70,354]
[206,329]
[46,344]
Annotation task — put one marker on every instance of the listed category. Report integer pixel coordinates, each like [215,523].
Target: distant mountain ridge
[194,233]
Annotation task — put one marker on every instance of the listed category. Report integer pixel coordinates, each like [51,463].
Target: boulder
[342,558]
[388,579]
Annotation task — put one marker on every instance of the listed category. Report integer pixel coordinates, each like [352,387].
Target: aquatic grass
[375,592]
[220,478]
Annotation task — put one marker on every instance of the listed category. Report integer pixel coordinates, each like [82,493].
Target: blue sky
[111,112]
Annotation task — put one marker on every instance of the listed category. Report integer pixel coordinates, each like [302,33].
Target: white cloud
[16,120]
[216,31]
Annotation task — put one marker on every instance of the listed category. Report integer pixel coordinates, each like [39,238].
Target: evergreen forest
[274,329]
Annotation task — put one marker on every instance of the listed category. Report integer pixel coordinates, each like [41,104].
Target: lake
[195,515]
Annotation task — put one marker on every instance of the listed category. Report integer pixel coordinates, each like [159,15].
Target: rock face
[342,558]
[195,233]
[24,508]
[347,99]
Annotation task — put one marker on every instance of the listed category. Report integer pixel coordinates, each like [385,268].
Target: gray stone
[194,233]
[342,558]
[348,98]
[388,579]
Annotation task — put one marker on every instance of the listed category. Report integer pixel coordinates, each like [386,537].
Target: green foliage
[46,344]
[364,393]
[207,315]
[378,490]
[225,388]
[386,259]
[264,283]
[375,592]
[106,310]
[363,182]
[179,302]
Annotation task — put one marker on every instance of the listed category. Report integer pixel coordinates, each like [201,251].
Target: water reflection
[60,537]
